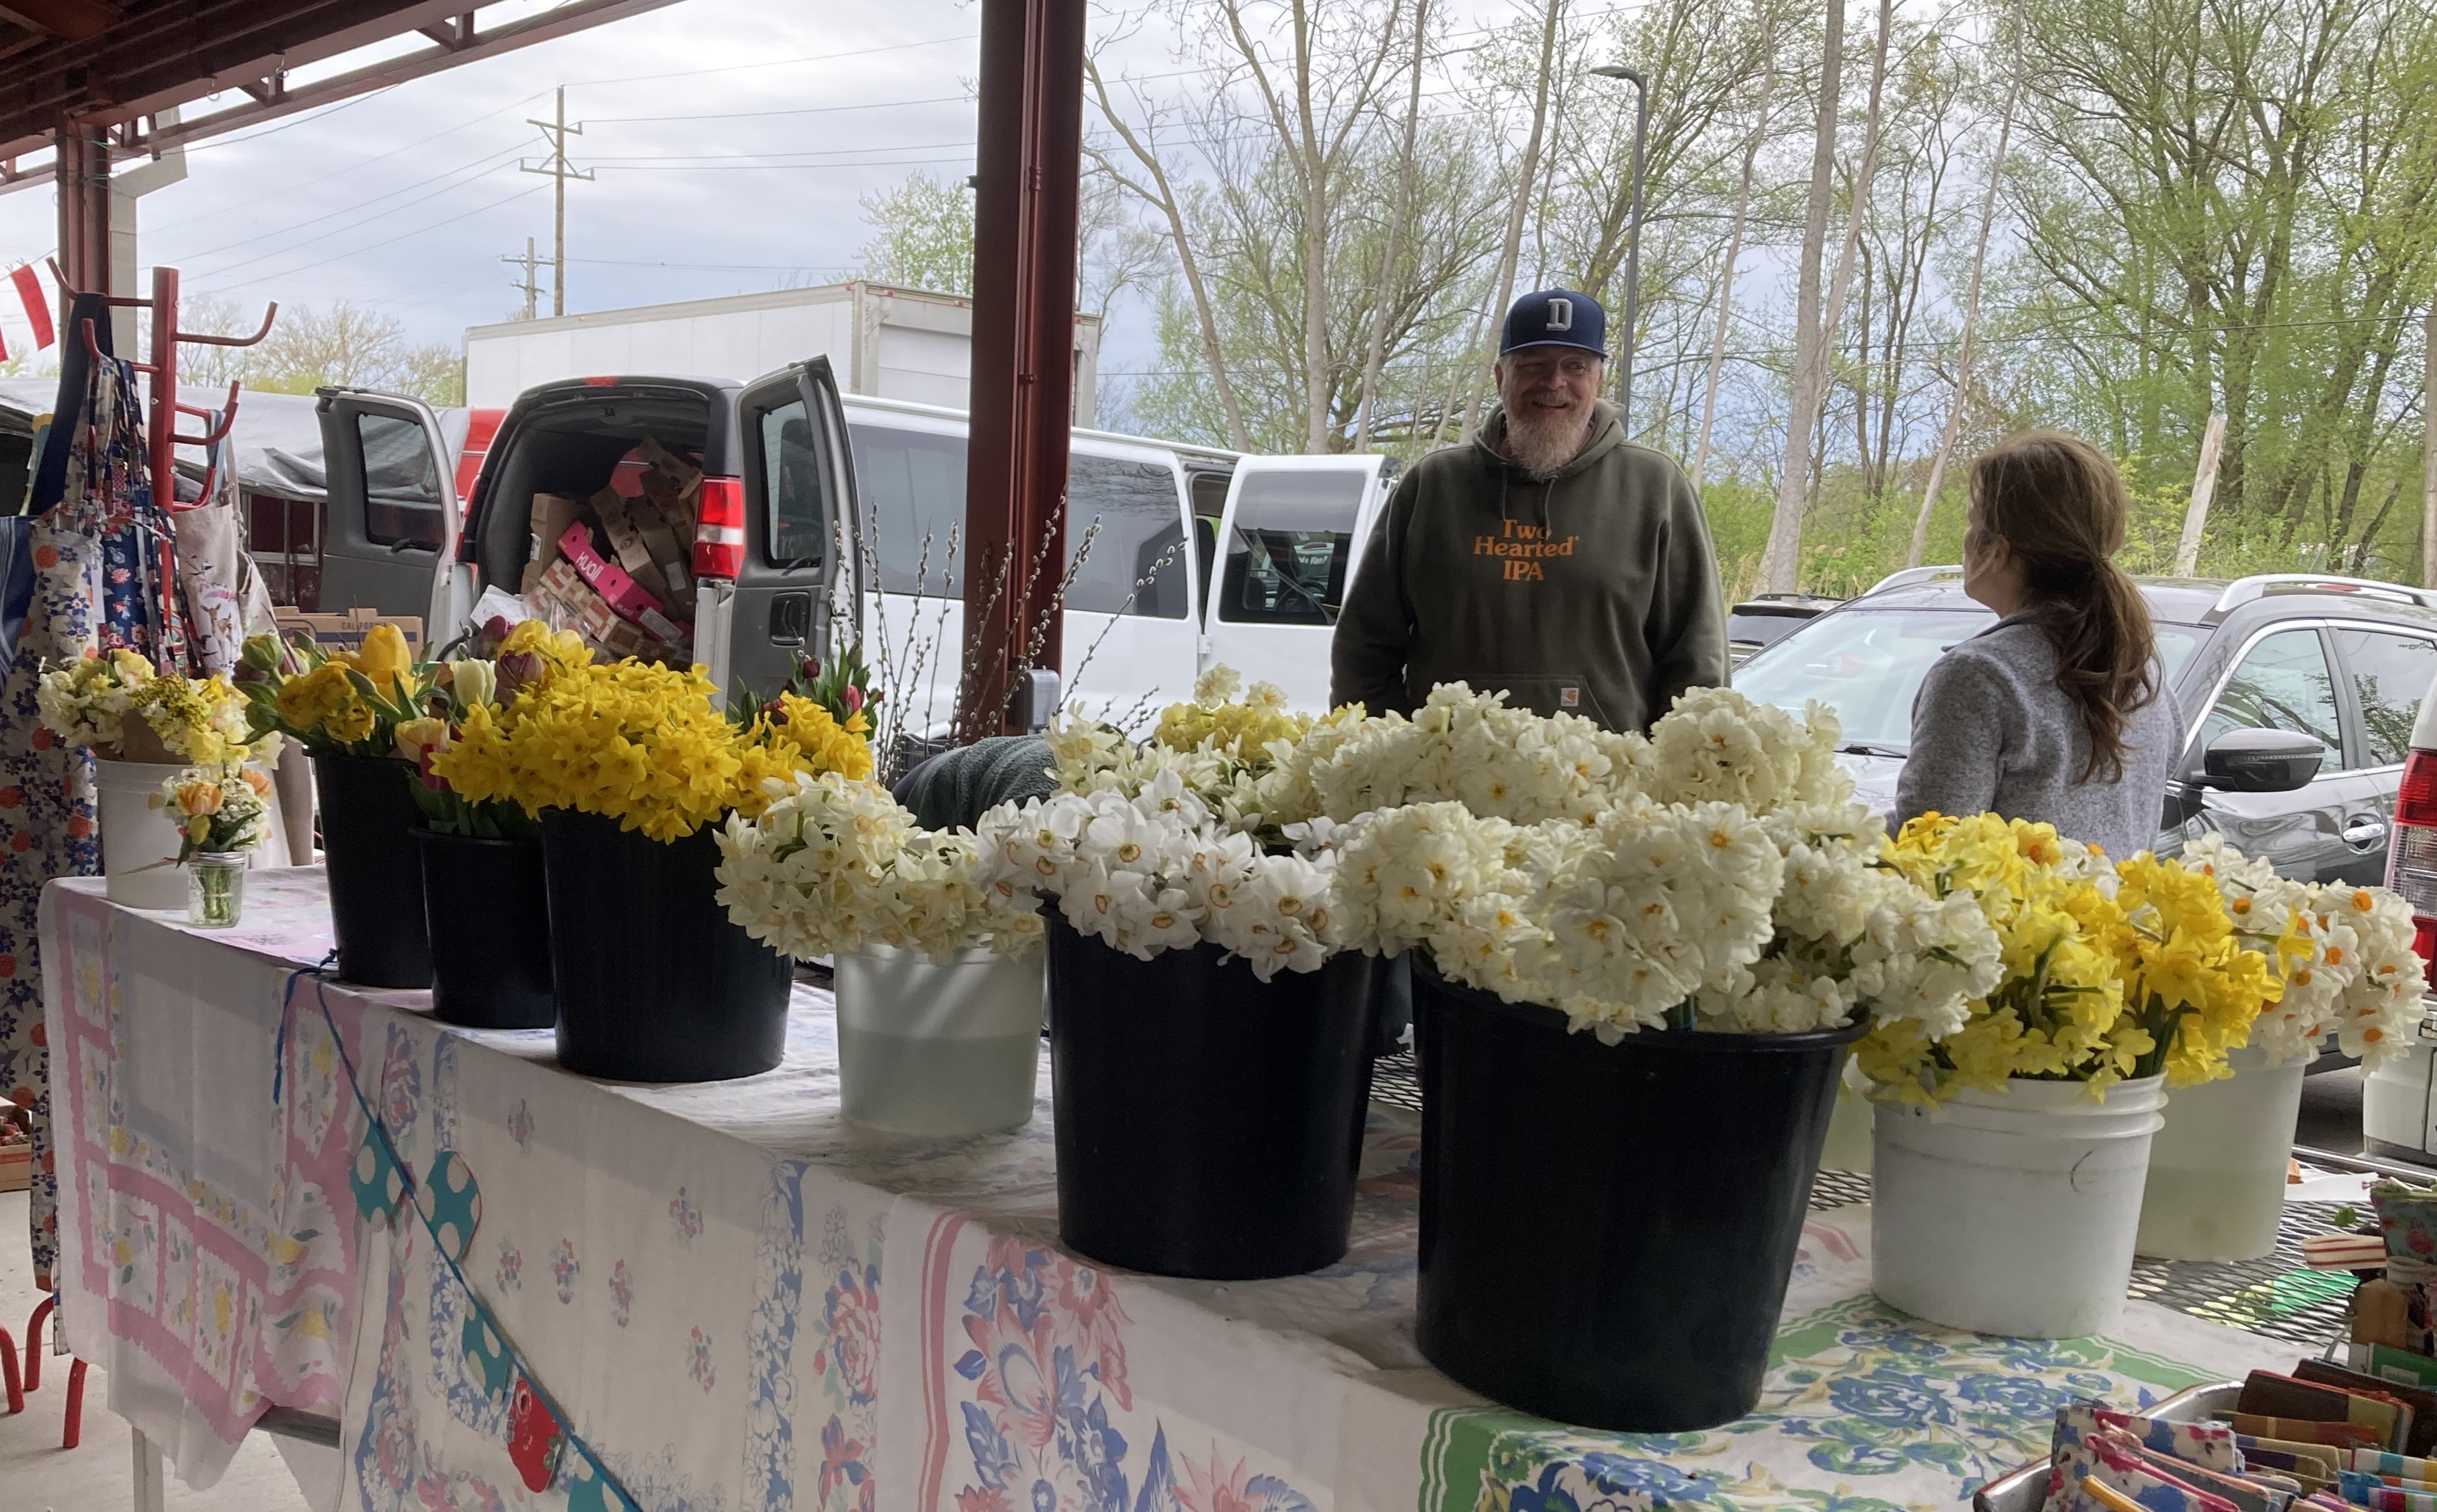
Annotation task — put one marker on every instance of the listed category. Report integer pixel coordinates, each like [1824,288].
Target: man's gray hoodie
[1595,592]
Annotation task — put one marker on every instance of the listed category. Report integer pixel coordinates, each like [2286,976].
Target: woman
[2059,713]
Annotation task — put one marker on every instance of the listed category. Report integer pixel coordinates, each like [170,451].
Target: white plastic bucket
[2012,1214]
[1848,1124]
[2216,1169]
[943,1049]
[136,834]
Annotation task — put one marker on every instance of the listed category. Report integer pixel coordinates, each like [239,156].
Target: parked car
[2267,672]
[1764,619]
[1199,555]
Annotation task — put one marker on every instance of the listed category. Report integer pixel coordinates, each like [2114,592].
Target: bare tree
[1782,559]
[1150,182]
[1378,351]
[1953,429]
[1525,182]
[1735,254]
[1781,571]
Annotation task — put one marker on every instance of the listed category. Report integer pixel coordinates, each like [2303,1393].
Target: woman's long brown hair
[2058,504]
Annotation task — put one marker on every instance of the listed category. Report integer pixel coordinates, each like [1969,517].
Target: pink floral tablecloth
[743,1301]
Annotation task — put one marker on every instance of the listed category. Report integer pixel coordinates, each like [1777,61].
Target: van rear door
[1288,547]
[391,520]
[796,583]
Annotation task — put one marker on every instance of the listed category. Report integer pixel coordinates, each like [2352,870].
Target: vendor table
[740,1300]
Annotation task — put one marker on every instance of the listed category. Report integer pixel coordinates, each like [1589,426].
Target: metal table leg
[148,1473]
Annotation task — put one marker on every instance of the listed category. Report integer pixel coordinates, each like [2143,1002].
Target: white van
[1196,557]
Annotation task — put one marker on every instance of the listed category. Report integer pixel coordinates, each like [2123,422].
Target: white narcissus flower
[837,864]
[2342,954]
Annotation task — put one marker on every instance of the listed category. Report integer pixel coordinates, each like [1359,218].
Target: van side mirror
[2261,761]
[1035,698]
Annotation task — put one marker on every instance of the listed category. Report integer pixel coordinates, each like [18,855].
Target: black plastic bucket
[368,822]
[1608,1230]
[1209,1124]
[653,982]
[484,903]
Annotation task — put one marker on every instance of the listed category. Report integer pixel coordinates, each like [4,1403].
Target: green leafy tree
[922,235]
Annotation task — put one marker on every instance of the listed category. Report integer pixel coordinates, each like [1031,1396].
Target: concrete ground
[97,1476]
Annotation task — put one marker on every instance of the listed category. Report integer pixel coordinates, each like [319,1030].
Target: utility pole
[557,167]
[2429,457]
[531,265]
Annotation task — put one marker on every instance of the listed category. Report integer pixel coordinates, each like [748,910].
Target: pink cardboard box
[621,592]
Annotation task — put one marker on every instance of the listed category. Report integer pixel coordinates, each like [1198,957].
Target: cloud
[730,139]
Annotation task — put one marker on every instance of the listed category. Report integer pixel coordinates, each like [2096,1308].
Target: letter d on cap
[1561,314]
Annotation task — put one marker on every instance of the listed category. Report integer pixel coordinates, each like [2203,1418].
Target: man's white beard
[1542,442]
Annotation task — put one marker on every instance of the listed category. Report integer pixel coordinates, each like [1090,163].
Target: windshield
[1867,664]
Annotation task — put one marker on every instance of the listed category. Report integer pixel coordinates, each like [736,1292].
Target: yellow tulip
[384,658]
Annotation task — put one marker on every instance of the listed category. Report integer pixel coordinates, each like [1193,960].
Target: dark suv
[2268,671]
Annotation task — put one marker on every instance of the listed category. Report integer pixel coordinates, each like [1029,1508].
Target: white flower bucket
[2012,1214]
[1848,1124]
[2216,1169]
[137,832]
[939,1049]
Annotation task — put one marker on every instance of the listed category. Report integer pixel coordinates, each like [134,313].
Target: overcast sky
[730,141]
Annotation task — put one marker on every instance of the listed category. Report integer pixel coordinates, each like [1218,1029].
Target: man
[1551,557]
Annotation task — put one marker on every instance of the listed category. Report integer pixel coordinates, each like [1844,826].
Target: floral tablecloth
[741,1301]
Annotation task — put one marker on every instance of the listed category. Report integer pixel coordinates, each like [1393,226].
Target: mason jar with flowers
[345,708]
[144,728]
[223,813]
[939,979]
[629,767]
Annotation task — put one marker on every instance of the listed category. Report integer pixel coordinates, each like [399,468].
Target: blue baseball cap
[1555,317]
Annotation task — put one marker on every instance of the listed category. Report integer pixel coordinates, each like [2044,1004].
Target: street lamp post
[1631,242]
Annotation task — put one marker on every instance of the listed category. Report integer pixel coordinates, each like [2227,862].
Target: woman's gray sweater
[1991,730]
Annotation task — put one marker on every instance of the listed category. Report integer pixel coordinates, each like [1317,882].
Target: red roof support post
[83,178]
[1022,396]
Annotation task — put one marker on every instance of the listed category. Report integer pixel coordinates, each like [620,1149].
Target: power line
[337,256]
[531,292]
[805,110]
[780,62]
[480,166]
[760,167]
[559,170]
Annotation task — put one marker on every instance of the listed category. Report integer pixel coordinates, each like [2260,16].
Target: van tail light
[719,532]
[2412,860]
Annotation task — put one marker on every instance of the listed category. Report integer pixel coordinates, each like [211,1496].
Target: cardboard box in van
[551,515]
[345,632]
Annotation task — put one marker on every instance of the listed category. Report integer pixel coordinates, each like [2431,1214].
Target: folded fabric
[2209,1444]
[2376,1461]
[2419,1430]
[2115,1461]
[2393,1362]
[2245,1495]
[2407,1215]
[2266,1394]
[2365,1491]
[2302,1431]
[2316,1465]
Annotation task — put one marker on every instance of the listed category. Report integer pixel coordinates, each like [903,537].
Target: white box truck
[882,341]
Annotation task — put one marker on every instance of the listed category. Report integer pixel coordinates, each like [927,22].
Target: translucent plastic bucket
[2216,1169]
[1848,1126]
[2012,1214]
[139,840]
[952,1049]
